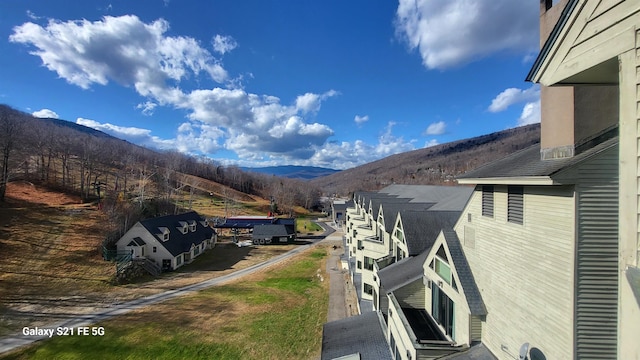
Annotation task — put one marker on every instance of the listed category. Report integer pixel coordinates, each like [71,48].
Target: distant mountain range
[438,164]
[293,172]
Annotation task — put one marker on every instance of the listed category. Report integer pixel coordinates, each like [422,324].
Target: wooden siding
[525,272]
[411,295]
[597,259]
[599,31]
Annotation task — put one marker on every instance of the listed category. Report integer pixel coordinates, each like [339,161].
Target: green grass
[304,226]
[275,316]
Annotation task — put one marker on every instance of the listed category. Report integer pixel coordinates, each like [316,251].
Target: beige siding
[600,31]
[411,295]
[525,272]
[597,258]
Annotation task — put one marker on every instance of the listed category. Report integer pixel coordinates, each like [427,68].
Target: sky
[255,83]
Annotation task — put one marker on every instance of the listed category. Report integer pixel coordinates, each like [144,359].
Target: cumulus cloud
[223,44]
[436,128]
[140,55]
[45,113]
[147,107]
[512,96]
[456,32]
[361,119]
[123,49]
[344,155]
[131,134]
[530,114]
[430,143]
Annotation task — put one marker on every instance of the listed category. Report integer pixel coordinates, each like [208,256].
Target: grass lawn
[277,314]
[305,226]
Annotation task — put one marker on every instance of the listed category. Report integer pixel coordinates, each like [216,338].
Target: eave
[521,180]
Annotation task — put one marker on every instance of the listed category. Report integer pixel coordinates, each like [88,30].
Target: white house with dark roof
[169,241]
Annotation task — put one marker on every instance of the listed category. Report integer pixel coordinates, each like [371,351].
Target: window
[360,247]
[399,235]
[359,264]
[155,249]
[515,204]
[487,200]
[368,263]
[179,260]
[443,310]
[368,289]
[165,236]
[441,265]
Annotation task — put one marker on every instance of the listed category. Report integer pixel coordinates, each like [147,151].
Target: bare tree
[10,130]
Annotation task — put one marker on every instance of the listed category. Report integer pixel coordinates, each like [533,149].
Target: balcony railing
[384,262]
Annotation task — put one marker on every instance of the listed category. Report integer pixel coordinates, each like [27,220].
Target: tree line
[83,161]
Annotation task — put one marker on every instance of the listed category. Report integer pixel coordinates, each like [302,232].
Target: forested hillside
[86,162]
[434,165]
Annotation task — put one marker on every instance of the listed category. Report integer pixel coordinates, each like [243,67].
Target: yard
[277,314]
[50,267]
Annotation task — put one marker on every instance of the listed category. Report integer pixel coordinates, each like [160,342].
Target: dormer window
[183,227]
[164,233]
[192,226]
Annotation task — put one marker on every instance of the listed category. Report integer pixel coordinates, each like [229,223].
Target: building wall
[524,272]
[150,240]
[629,213]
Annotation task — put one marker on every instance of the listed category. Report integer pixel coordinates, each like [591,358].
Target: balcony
[384,262]
[426,336]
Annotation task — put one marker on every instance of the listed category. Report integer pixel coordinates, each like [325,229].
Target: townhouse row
[542,260]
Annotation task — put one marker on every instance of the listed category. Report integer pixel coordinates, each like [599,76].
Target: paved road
[12,342]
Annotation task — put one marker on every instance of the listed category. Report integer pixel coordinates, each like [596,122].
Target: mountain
[293,172]
[438,164]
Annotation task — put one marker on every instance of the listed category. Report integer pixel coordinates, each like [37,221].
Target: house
[594,46]
[272,234]
[169,241]
[338,209]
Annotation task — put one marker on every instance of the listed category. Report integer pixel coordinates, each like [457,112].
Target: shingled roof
[361,334]
[403,272]
[178,242]
[527,163]
[471,292]
[421,228]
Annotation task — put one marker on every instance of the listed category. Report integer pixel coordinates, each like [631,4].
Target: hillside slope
[434,165]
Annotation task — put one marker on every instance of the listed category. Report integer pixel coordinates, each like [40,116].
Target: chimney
[556,103]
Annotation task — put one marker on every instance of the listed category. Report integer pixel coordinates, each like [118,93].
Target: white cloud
[147,107]
[133,53]
[436,128]
[224,44]
[346,155]
[456,32]
[361,119]
[430,143]
[45,113]
[135,135]
[530,114]
[310,102]
[33,16]
[512,96]
[123,49]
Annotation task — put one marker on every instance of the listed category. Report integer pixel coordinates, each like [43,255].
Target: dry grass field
[50,266]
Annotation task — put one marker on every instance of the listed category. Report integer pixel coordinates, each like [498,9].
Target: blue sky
[256,83]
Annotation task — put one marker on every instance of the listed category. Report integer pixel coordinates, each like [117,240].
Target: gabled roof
[391,210]
[361,334]
[137,241]
[178,242]
[553,37]
[527,165]
[421,228]
[403,272]
[271,230]
[469,287]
